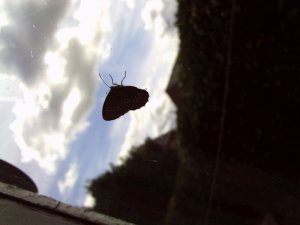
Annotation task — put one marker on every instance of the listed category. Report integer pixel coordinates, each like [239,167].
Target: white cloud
[9,91]
[159,15]
[150,13]
[159,114]
[130,3]
[69,179]
[89,201]
[28,35]
[8,99]
[55,60]
[157,118]
[3,19]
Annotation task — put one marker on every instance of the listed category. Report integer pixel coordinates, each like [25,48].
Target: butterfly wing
[121,99]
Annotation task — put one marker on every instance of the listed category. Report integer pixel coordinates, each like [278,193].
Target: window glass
[154,111]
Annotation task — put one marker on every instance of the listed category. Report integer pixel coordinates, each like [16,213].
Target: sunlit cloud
[69,179]
[130,3]
[54,64]
[158,15]
[159,114]
[89,201]
[55,60]
[69,107]
[3,19]
[8,99]
[151,13]
[156,119]
[9,91]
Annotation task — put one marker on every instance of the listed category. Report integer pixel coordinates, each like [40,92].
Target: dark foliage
[262,122]
[259,164]
[139,190]
[262,125]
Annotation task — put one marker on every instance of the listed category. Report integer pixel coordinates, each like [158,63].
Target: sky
[51,96]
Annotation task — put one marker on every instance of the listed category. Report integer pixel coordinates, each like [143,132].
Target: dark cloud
[29,34]
[42,127]
[80,66]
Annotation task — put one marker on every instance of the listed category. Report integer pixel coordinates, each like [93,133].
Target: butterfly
[121,99]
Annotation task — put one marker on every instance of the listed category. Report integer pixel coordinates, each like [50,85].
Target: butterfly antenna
[103,80]
[123,78]
[112,80]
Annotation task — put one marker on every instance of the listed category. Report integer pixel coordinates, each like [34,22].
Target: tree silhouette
[139,190]
[239,101]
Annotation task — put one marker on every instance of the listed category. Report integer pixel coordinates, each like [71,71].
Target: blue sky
[51,95]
